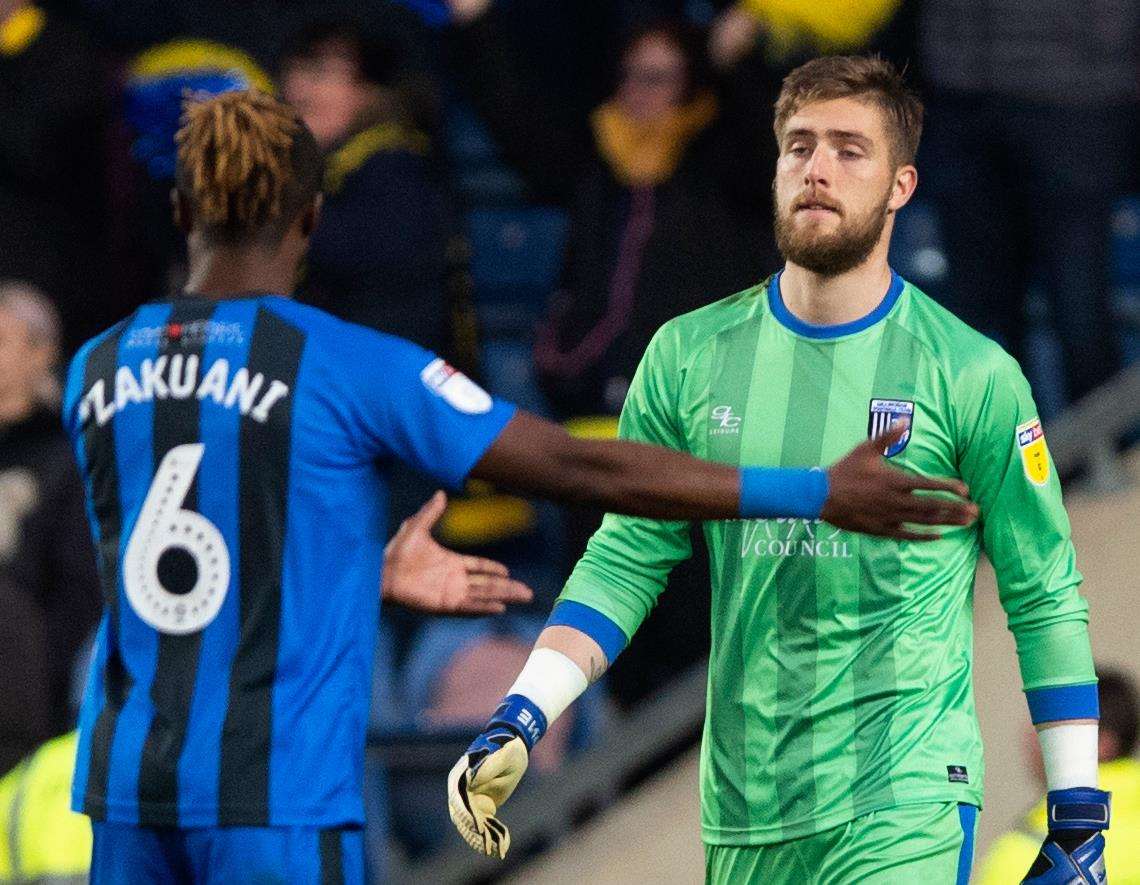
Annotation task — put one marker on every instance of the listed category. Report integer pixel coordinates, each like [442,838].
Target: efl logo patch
[457,389]
[1034,454]
[884,414]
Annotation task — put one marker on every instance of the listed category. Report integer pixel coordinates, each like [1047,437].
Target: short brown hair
[856,76]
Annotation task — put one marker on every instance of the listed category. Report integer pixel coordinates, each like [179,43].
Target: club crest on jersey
[884,414]
[1034,454]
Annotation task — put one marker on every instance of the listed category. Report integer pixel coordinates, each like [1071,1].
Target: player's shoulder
[335,336]
[78,362]
[690,333]
[93,342]
[962,351]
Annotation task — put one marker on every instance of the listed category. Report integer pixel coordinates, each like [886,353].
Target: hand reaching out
[422,575]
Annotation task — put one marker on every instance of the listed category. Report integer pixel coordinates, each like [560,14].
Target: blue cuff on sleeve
[782,491]
[591,622]
[1063,702]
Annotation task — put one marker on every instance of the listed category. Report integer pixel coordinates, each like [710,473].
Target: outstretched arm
[860,493]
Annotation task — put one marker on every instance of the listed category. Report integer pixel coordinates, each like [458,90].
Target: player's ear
[906,180]
[311,216]
[182,211]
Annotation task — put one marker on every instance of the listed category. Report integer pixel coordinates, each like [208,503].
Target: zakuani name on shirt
[178,377]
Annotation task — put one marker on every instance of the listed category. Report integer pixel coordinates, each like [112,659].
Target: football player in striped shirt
[234,445]
[841,743]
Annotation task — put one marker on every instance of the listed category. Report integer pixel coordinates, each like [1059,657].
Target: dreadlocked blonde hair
[247,163]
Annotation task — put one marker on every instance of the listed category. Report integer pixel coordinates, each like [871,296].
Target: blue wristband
[520,714]
[782,491]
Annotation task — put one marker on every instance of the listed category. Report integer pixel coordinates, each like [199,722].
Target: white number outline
[163,525]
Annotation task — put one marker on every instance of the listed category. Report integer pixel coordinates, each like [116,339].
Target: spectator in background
[667,191]
[1119,773]
[52,134]
[379,255]
[1034,106]
[47,563]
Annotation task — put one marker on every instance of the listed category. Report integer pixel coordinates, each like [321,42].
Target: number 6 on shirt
[163,538]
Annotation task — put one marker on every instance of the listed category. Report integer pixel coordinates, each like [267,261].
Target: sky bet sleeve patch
[1034,455]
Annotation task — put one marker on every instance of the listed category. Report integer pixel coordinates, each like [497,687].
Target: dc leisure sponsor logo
[725,422]
[884,414]
[459,391]
[785,537]
[1034,453]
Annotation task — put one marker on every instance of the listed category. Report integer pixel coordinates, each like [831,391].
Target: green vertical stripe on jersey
[734,355]
[797,643]
[852,387]
[880,585]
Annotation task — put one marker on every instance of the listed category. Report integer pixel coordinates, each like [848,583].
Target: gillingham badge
[1034,454]
[884,414]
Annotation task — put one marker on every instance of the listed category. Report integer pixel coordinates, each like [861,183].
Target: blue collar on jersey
[789,320]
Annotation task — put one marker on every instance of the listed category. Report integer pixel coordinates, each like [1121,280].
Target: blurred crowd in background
[529,189]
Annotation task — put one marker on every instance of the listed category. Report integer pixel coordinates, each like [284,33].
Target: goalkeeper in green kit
[841,743]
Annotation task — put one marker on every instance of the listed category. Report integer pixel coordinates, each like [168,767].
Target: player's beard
[829,254]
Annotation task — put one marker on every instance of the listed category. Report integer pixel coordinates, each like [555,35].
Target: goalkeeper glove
[1073,852]
[486,775]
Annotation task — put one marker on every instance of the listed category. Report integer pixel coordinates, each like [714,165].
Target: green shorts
[926,844]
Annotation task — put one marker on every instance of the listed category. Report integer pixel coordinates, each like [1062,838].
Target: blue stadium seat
[469,142]
[1126,273]
[516,260]
[480,174]
[1126,242]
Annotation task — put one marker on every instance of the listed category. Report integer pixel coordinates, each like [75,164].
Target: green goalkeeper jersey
[840,668]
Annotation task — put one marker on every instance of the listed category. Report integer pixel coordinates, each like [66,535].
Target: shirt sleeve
[403,401]
[1004,459]
[627,562]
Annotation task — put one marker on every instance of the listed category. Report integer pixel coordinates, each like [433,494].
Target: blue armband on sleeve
[609,636]
[782,491]
[1059,702]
